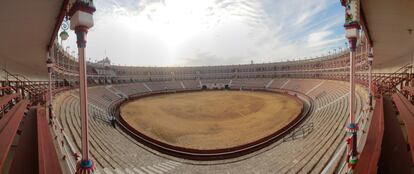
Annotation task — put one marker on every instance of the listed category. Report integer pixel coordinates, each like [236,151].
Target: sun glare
[172,23]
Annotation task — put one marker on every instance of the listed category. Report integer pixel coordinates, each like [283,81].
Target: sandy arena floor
[212,119]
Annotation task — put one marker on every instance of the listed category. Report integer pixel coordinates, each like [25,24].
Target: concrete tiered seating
[277,83]
[249,83]
[102,96]
[112,149]
[214,81]
[302,85]
[133,88]
[329,122]
[115,151]
[191,84]
[174,85]
[157,86]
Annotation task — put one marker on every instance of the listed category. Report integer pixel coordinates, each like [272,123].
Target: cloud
[212,32]
[207,58]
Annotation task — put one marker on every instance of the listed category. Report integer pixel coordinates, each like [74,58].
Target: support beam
[370,59]
[352,33]
[49,63]
[81,20]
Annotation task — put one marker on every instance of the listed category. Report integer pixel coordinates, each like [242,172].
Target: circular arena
[212,86]
[215,121]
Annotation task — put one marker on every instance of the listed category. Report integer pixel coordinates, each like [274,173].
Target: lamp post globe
[63,35]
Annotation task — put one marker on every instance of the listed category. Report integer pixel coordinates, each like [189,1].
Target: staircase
[391,81]
[35,90]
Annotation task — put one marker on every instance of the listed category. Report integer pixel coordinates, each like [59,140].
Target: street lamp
[64,35]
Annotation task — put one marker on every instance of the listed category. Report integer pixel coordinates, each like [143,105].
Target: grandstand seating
[214,81]
[406,112]
[40,127]
[191,84]
[250,83]
[157,86]
[130,89]
[395,156]
[9,125]
[278,83]
[115,151]
[47,156]
[173,85]
[4,100]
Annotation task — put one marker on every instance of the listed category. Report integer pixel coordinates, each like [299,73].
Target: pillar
[81,20]
[352,28]
[370,59]
[49,63]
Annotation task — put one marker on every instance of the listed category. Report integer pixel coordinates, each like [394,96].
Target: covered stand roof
[26,30]
[388,24]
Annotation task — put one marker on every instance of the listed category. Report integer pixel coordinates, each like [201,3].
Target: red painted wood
[6,99]
[394,152]
[26,152]
[370,155]
[5,88]
[48,158]
[406,110]
[9,132]
[409,89]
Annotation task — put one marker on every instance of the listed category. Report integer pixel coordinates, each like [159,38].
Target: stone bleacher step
[107,171]
[165,167]
[146,170]
[138,171]
[154,169]
[160,168]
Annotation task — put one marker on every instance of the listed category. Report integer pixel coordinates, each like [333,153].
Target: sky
[212,32]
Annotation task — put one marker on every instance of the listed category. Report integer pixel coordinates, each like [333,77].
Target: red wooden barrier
[26,151]
[9,132]
[48,158]
[6,99]
[406,110]
[6,118]
[5,88]
[370,155]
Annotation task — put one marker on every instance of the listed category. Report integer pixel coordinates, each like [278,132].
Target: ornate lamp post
[49,64]
[352,28]
[370,59]
[81,20]
[64,35]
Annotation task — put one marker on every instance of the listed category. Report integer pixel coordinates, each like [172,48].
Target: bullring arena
[213,119]
[310,145]
[166,86]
